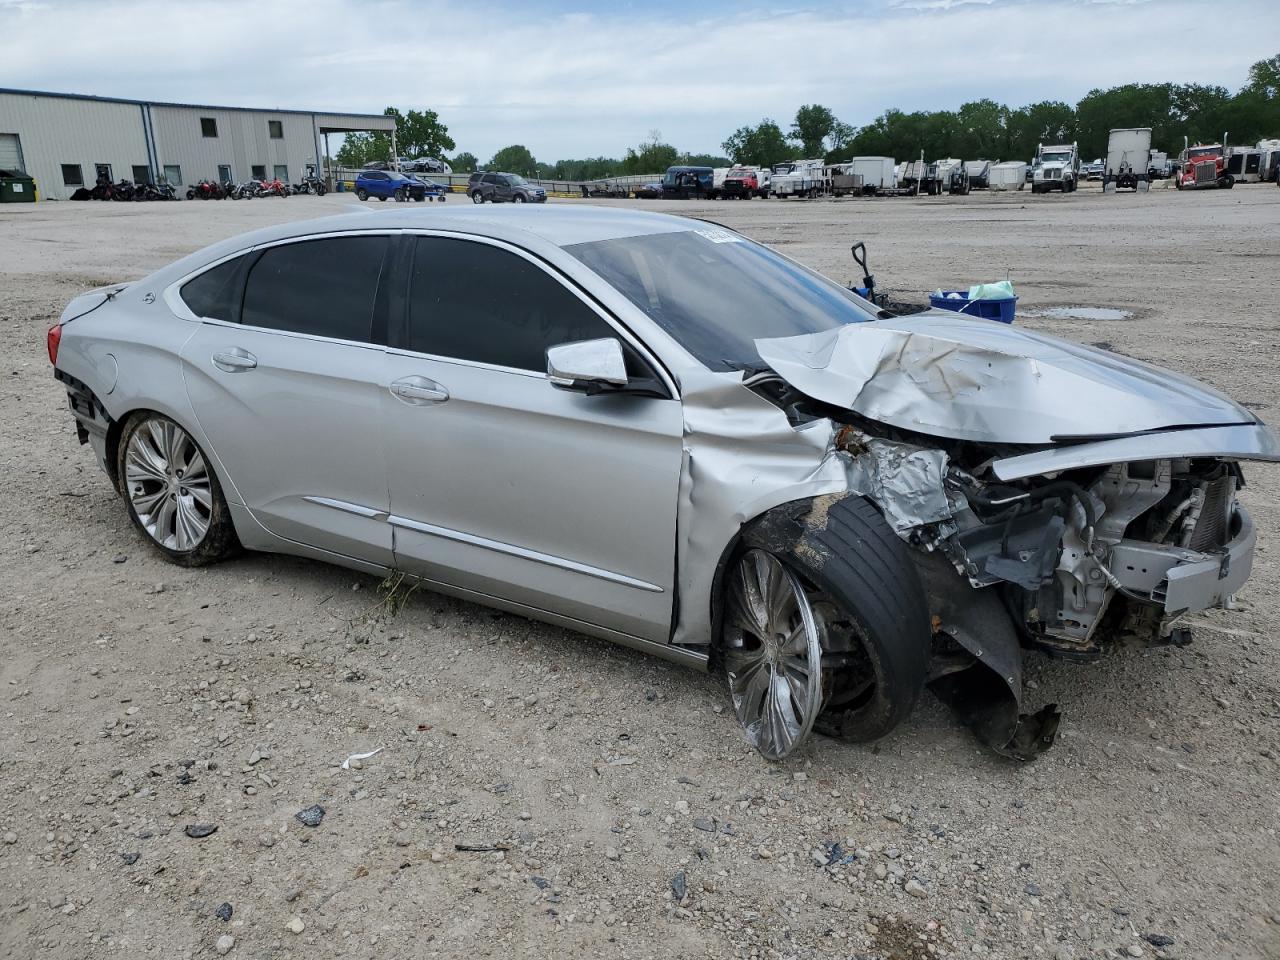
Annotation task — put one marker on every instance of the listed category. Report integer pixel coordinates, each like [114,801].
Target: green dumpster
[16,187]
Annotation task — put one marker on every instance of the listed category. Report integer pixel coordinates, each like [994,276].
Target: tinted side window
[471,301]
[215,292]
[321,287]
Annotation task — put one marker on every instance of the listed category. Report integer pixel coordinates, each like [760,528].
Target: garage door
[10,152]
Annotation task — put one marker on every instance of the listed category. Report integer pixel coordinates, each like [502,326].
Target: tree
[811,128]
[1264,77]
[360,148]
[465,163]
[419,133]
[705,160]
[760,146]
[652,156]
[841,136]
[515,159]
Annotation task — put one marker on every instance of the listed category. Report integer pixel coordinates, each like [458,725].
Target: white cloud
[579,84]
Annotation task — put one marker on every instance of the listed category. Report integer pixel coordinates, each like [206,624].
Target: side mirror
[587,364]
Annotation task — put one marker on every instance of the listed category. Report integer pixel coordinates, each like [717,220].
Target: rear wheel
[477,197]
[172,493]
[362,193]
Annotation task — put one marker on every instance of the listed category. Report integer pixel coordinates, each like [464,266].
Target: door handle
[234,360]
[419,390]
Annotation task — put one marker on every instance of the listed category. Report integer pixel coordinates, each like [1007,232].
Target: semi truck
[1203,167]
[1128,162]
[1055,167]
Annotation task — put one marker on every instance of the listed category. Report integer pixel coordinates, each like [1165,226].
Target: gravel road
[617,808]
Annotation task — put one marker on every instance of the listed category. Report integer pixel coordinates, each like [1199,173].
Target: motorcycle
[123,190]
[311,185]
[103,189]
[273,188]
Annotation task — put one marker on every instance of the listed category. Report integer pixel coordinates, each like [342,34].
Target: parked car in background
[648,191]
[1093,170]
[425,165]
[389,185]
[432,190]
[377,165]
[503,188]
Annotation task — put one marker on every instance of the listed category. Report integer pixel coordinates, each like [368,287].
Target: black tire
[477,197]
[861,569]
[362,194]
[519,198]
[321,191]
[402,195]
[219,541]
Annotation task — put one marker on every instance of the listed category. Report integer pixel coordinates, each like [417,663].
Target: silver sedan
[654,430]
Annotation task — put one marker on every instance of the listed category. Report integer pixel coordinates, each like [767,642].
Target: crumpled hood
[947,375]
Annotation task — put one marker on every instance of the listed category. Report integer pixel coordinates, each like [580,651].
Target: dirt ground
[140,698]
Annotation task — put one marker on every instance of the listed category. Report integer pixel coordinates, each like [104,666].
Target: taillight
[55,338]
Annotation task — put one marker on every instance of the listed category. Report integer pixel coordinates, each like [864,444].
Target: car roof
[559,224]
[525,225]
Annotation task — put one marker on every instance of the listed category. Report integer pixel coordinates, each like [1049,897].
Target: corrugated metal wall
[55,130]
[243,141]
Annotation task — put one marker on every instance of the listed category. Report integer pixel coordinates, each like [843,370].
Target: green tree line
[980,129]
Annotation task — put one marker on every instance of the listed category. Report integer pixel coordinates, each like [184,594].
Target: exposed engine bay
[1067,562]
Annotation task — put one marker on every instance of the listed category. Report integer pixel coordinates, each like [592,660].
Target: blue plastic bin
[1001,310]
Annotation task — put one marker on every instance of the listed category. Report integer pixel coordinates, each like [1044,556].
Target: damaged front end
[1029,534]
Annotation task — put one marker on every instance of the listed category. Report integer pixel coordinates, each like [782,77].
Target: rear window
[324,287]
[215,292]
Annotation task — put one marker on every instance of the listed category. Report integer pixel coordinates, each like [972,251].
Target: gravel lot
[140,698]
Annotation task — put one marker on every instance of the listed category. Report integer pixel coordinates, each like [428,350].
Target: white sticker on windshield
[720,236]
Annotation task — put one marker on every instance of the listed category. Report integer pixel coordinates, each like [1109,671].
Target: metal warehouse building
[66,141]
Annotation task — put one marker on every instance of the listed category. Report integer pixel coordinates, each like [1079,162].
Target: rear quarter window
[215,293]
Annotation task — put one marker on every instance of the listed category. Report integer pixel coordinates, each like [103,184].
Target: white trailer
[878,173]
[1158,165]
[1128,160]
[1010,175]
[1245,163]
[1269,168]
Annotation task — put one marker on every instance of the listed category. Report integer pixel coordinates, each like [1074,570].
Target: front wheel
[402,195]
[172,493]
[518,198]
[362,194]
[846,592]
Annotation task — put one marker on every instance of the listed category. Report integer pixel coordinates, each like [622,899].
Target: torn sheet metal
[1253,441]
[721,487]
[950,376]
[904,480]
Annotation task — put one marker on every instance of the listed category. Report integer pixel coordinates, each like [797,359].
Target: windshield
[1055,157]
[715,292]
[1203,152]
[514,179]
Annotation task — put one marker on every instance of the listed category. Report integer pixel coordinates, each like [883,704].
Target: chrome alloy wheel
[168,484]
[772,654]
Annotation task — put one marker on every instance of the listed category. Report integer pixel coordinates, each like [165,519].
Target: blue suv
[385,184]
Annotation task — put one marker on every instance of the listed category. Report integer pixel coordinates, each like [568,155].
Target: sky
[570,79]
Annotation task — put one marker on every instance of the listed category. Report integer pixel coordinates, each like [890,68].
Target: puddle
[1081,313]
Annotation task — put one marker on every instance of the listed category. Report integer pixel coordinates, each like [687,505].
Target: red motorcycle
[274,188]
